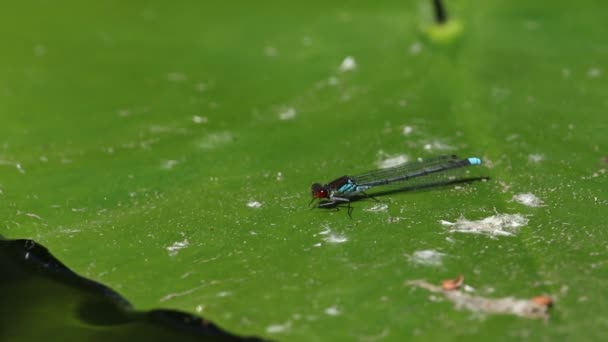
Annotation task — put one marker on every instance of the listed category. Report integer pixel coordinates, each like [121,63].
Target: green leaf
[136,139]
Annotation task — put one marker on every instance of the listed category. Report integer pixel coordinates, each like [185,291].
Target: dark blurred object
[42,299]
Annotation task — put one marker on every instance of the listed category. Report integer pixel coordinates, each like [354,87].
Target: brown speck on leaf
[543,300]
[452,284]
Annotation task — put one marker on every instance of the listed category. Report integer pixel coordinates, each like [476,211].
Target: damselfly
[417,174]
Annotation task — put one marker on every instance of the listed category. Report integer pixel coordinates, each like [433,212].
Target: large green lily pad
[167,150]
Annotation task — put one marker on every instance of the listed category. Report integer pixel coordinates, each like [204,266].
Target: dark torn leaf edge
[34,258]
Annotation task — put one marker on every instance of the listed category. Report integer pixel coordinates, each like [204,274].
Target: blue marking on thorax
[351,187]
[474,161]
[348,187]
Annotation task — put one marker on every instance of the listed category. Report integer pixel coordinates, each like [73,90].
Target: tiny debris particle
[15,164]
[535,158]
[179,294]
[500,93]
[176,76]
[392,161]
[452,284]
[335,238]
[200,87]
[594,73]
[512,137]
[254,204]
[177,246]
[333,81]
[381,207]
[496,225]
[31,214]
[124,112]
[224,294]
[407,130]
[288,114]
[427,258]
[168,164]
[270,51]
[438,145]
[278,328]
[415,48]
[326,231]
[199,119]
[213,140]
[348,64]
[332,311]
[528,199]
[468,288]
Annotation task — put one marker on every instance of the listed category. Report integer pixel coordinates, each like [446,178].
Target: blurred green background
[136,138]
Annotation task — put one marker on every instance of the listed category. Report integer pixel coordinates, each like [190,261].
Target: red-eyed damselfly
[412,175]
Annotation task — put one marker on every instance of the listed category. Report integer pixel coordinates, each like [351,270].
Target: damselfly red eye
[319,191]
[323,194]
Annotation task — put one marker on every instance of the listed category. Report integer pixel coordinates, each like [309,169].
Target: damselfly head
[319,191]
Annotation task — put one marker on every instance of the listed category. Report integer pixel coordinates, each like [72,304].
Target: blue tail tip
[474,161]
